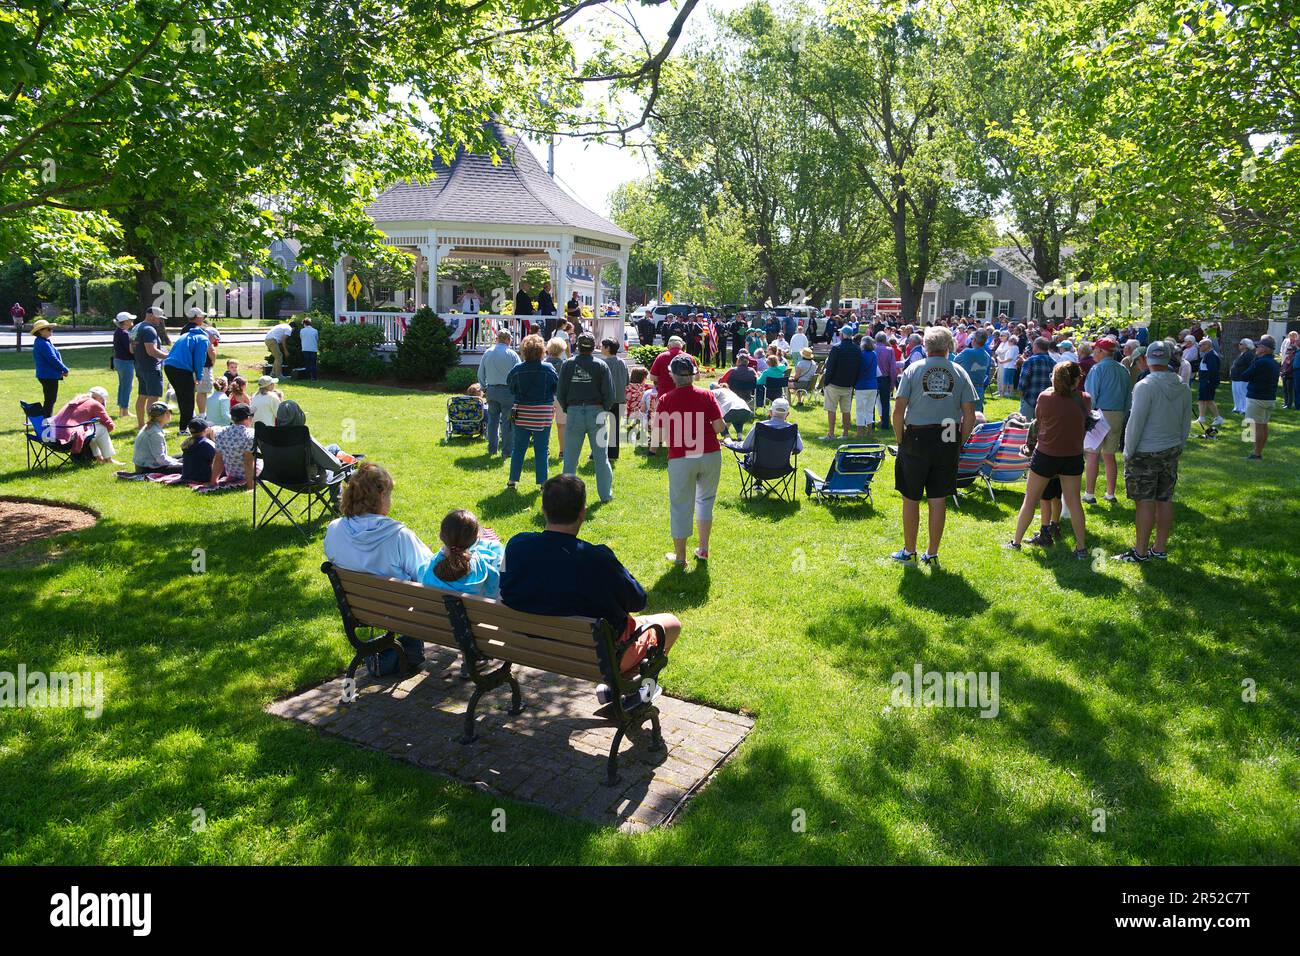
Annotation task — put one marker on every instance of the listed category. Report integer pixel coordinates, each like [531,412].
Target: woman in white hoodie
[365,538]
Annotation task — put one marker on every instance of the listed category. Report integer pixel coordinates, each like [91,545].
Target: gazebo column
[560,259]
[419,275]
[340,288]
[623,312]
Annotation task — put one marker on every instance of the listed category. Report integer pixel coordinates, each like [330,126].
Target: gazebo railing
[473,333]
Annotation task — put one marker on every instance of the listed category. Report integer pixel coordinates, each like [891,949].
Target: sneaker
[1081,554]
[1253,457]
[1218,420]
[829,437]
[1055,529]
[1011,546]
[1130,557]
[1089,499]
[1043,539]
[932,560]
[1109,499]
[701,555]
[672,559]
[1158,555]
[903,556]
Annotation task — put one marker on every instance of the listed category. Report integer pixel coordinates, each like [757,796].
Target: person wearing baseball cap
[1111,388]
[586,396]
[1157,430]
[777,424]
[149,453]
[1261,378]
[50,370]
[689,420]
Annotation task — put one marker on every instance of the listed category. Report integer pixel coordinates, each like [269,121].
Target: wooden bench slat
[412,594]
[570,630]
[407,629]
[546,662]
[366,610]
[531,642]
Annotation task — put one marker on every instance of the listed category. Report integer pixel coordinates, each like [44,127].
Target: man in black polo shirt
[556,572]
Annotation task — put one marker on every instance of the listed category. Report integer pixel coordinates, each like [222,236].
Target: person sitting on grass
[150,449]
[197,452]
[556,572]
[366,539]
[469,560]
[238,392]
[218,410]
[267,400]
[234,459]
[232,371]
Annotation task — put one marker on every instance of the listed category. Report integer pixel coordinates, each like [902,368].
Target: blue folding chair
[850,474]
[45,450]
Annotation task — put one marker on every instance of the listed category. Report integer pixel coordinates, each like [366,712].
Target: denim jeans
[499,403]
[590,422]
[125,379]
[521,439]
[884,389]
[309,363]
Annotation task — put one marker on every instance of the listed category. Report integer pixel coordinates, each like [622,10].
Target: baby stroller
[465,417]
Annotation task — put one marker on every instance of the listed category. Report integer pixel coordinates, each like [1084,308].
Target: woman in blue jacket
[533,384]
[184,366]
[50,370]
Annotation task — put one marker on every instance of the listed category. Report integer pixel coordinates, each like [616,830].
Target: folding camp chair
[977,452]
[774,388]
[465,417]
[771,466]
[45,452]
[850,476]
[1007,465]
[282,452]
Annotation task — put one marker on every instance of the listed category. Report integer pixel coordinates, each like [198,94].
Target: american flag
[711,335]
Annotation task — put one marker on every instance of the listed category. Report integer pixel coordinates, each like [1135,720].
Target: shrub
[426,351]
[461,378]
[645,354]
[350,348]
[111,296]
[273,300]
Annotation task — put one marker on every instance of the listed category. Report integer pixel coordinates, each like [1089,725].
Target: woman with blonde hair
[533,384]
[1061,417]
[469,560]
[365,538]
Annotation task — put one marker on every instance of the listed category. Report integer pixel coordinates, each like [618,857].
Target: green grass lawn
[1121,686]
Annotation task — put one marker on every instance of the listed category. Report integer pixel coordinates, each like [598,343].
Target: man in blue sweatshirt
[184,365]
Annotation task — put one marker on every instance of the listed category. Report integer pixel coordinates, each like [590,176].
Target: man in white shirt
[276,337]
[310,337]
[798,341]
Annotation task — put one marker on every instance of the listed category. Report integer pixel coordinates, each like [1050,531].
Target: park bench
[492,638]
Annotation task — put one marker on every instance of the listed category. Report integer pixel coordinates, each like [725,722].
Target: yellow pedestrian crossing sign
[354,286]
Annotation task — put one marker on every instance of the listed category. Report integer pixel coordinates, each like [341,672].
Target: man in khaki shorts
[1111,388]
[1261,378]
[838,379]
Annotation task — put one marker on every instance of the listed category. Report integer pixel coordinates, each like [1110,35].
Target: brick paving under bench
[553,754]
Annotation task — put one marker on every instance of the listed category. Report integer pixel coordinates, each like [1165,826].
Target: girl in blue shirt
[469,560]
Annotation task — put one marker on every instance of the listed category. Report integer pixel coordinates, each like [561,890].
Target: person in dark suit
[694,334]
[523,307]
[546,307]
[737,328]
[645,330]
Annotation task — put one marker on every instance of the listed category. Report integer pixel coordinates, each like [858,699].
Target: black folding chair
[283,453]
[44,451]
[768,469]
[775,388]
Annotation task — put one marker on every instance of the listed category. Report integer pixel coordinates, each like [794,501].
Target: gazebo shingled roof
[515,190]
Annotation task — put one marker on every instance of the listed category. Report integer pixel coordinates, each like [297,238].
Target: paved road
[103,338]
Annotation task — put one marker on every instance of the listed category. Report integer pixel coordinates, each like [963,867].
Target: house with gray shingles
[985,287]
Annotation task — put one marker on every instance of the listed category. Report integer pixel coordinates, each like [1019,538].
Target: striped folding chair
[1007,465]
[975,454]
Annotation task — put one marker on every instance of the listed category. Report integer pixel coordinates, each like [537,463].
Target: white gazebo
[505,212]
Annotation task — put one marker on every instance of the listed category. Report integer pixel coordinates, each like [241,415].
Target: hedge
[350,348]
